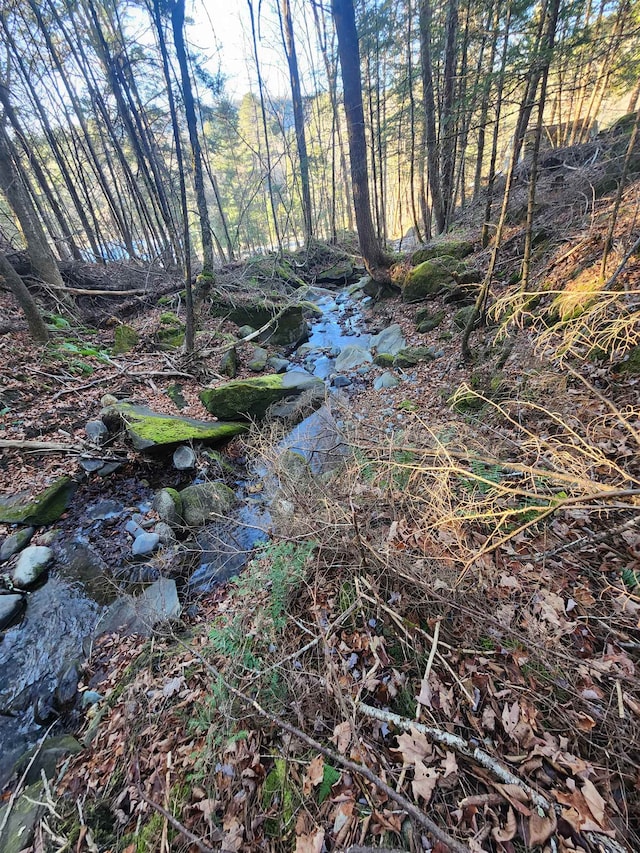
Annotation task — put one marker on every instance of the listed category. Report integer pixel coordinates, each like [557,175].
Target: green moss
[229,363]
[174,393]
[384,359]
[631,367]
[413,355]
[463,316]
[147,429]
[430,278]
[124,339]
[168,318]
[426,321]
[250,398]
[290,327]
[45,509]
[447,248]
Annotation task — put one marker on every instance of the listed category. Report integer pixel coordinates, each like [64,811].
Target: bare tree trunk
[447,122]
[38,249]
[345,23]
[186,248]
[433,157]
[25,300]
[298,115]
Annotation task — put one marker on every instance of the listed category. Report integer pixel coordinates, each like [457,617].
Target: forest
[319,426]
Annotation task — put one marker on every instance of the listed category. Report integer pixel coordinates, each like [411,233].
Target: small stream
[93,553]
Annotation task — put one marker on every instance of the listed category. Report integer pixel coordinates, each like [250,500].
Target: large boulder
[250,398]
[390,340]
[148,429]
[430,278]
[127,615]
[204,502]
[351,357]
[339,273]
[46,508]
[289,326]
[446,248]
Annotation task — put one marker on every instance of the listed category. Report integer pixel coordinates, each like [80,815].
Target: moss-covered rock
[430,278]
[384,359]
[18,831]
[168,504]
[229,363]
[171,332]
[462,317]
[631,367]
[124,339]
[149,429]
[413,355]
[290,327]
[45,509]
[250,398]
[204,502]
[426,321]
[340,273]
[174,393]
[258,360]
[447,248]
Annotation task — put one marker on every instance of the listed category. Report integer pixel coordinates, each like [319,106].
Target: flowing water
[61,615]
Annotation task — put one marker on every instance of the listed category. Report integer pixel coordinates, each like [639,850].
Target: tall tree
[298,115]
[177,20]
[349,52]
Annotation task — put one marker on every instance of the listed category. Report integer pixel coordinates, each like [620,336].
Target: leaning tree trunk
[25,300]
[345,23]
[40,254]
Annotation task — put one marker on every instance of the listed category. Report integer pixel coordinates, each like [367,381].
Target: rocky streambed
[138,544]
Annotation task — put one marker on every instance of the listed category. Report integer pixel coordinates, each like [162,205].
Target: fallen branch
[21,444]
[463,747]
[182,829]
[410,808]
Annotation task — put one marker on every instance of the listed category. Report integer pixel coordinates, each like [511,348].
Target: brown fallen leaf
[509,830]
[541,828]
[594,800]
[414,747]
[311,843]
[424,782]
[314,775]
[342,736]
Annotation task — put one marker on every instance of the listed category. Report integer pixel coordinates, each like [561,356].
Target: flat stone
[414,355]
[149,429]
[20,827]
[132,527]
[91,465]
[387,380]
[46,508]
[145,544]
[184,458]
[11,606]
[109,468]
[352,356]
[16,542]
[390,340]
[129,615]
[250,398]
[33,562]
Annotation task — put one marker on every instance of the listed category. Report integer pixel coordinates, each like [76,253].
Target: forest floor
[472,567]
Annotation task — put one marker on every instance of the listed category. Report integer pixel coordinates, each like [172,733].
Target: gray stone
[203,502]
[90,697]
[165,532]
[258,360]
[132,527]
[109,468]
[168,504]
[278,365]
[387,380]
[390,340]
[96,432]
[245,331]
[184,458]
[67,686]
[145,544]
[229,363]
[11,606]
[91,465]
[16,542]
[293,465]
[341,381]
[33,562]
[129,615]
[352,356]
